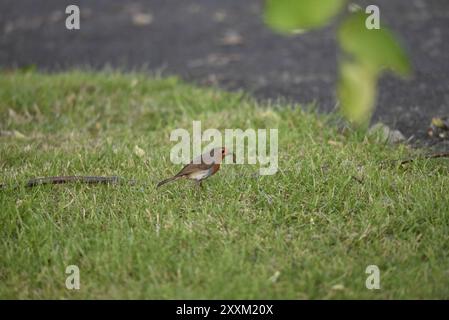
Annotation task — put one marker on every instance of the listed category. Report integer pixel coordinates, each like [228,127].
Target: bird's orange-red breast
[201,167]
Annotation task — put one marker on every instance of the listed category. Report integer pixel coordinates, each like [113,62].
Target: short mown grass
[335,206]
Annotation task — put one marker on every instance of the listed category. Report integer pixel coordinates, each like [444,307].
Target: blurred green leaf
[288,15]
[357,91]
[369,50]
[376,47]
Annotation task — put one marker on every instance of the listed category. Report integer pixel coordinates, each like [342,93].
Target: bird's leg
[198,183]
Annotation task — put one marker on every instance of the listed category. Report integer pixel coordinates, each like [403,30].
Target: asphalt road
[225,43]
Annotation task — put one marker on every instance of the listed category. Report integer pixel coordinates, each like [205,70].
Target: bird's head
[218,154]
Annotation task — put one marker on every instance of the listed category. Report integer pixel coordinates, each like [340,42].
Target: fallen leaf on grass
[275,276]
[386,133]
[13,134]
[338,287]
[138,151]
[335,143]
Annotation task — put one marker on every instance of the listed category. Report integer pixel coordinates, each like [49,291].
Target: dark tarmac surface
[225,43]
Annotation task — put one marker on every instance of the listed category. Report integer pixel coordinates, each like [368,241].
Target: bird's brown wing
[191,168]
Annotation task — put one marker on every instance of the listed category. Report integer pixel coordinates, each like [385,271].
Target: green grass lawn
[309,231]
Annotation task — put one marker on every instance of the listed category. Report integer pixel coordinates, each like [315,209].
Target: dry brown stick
[79,179]
[428,156]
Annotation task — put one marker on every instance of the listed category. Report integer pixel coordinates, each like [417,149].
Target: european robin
[201,167]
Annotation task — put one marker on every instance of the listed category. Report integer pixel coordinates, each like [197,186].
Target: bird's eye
[223,151]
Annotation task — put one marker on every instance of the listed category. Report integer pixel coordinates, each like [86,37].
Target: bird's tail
[166,181]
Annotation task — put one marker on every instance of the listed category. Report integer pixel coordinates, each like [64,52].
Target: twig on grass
[428,156]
